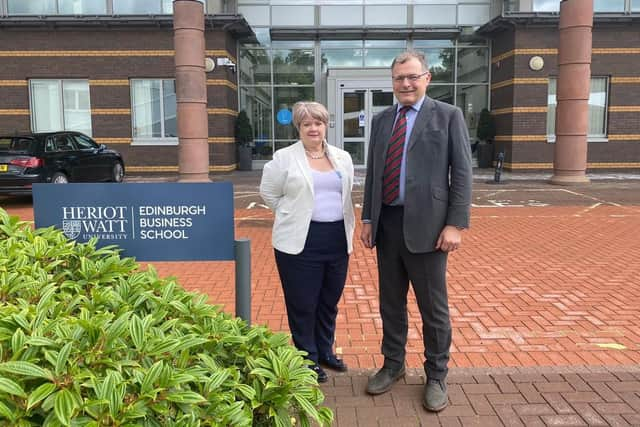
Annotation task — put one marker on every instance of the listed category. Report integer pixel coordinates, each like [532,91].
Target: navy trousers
[313,281]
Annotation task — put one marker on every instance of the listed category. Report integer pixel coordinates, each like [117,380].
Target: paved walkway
[544,297]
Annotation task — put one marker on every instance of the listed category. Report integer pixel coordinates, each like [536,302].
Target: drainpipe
[191,91]
[574,78]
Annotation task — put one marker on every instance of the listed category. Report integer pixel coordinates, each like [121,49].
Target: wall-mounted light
[536,63]
[209,65]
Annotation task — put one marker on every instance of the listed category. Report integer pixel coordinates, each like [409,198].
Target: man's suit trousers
[427,274]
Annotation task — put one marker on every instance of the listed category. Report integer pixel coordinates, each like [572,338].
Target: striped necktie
[391,176]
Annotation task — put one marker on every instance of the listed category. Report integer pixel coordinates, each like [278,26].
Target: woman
[308,187]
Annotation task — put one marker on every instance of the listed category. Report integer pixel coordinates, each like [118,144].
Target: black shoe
[332,362]
[383,379]
[322,375]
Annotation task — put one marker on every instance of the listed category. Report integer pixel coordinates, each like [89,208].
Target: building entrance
[354,98]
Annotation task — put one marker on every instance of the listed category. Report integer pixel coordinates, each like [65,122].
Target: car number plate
[4,168]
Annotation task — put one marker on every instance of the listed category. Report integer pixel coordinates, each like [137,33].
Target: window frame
[604,137]
[150,140]
[60,83]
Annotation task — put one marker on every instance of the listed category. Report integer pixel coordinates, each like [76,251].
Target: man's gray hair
[408,55]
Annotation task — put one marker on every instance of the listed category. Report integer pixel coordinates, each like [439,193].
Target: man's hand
[450,239]
[366,236]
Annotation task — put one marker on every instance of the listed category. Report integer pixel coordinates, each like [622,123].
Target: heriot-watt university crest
[71,228]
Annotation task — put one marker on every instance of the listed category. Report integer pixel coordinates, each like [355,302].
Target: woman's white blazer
[287,188]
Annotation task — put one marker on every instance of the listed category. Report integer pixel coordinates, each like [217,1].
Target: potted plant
[486,133]
[244,138]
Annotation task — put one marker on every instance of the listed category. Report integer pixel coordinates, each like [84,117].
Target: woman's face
[312,131]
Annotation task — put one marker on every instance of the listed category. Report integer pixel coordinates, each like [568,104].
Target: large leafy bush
[88,339]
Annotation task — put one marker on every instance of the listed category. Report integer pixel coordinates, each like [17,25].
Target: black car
[57,157]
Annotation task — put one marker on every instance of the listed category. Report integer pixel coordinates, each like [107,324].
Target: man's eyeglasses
[411,77]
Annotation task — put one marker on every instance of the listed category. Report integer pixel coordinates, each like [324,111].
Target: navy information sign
[149,221]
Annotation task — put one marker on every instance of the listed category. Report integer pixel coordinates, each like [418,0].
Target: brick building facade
[520,96]
[109,54]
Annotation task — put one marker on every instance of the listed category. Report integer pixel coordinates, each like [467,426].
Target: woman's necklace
[316,156]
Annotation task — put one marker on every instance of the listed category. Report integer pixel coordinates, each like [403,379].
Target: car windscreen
[15,143]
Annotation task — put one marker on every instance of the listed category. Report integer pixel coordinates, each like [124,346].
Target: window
[142,7]
[31,7]
[82,7]
[546,5]
[154,111]
[60,105]
[608,5]
[597,108]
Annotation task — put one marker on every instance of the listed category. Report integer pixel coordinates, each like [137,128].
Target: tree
[486,126]
[243,129]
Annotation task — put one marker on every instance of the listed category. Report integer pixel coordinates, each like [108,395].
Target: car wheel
[117,173]
[59,178]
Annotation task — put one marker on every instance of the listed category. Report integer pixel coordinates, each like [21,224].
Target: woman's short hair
[309,109]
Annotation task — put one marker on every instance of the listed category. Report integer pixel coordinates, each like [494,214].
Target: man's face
[406,87]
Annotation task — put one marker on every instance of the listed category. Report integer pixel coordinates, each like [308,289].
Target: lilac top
[327,191]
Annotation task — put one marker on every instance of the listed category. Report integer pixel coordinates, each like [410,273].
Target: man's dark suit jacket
[438,173]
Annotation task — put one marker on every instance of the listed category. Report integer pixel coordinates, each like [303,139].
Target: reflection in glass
[442,93]
[380,101]
[256,102]
[82,7]
[294,66]
[284,98]
[45,105]
[472,99]
[546,5]
[356,150]
[551,107]
[60,105]
[169,106]
[597,107]
[398,44]
[32,7]
[76,108]
[255,67]
[341,58]
[440,62]
[139,7]
[283,144]
[473,65]
[353,104]
[608,5]
[167,7]
[380,57]
[420,44]
[147,107]
[635,5]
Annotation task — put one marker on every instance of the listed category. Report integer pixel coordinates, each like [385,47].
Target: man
[417,199]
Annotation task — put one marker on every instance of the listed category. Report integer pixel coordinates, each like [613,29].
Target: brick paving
[515,396]
[545,304]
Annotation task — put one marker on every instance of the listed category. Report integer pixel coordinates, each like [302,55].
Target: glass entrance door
[358,108]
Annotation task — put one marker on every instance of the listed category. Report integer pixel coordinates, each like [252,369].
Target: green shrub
[88,339]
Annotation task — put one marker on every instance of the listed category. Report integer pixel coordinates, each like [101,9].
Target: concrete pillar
[191,90]
[574,77]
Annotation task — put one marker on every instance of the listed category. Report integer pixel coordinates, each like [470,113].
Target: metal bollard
[499,165]
[242,253]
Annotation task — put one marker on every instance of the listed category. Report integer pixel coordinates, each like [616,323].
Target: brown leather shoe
[384,379]
[435,395]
